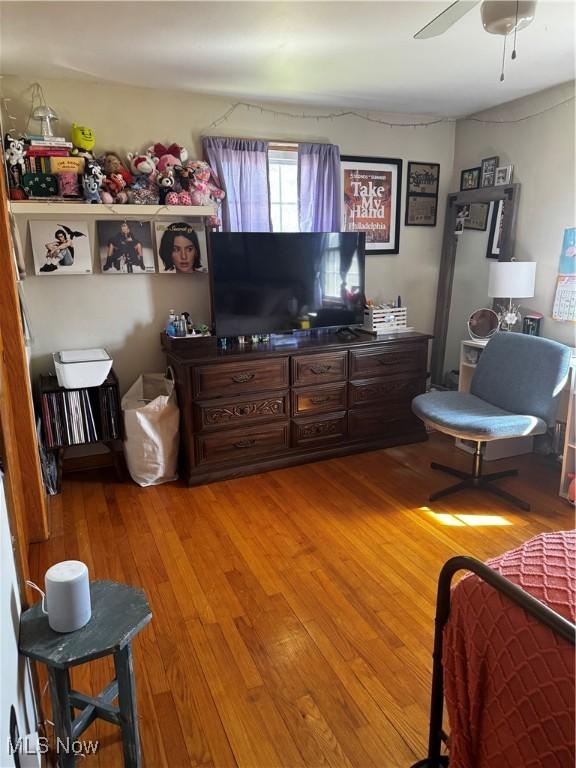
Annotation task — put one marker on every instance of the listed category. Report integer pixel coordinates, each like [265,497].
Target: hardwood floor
[293,611]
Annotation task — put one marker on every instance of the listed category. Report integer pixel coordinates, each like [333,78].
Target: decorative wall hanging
[422,194]
[371,188]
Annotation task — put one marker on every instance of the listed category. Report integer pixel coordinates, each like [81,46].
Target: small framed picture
[503,175]
[478,219]
[488,175]
[469,179]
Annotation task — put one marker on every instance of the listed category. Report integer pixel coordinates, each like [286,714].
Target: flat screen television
[280,282]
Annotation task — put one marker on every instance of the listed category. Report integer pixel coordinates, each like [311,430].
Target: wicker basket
[381,320]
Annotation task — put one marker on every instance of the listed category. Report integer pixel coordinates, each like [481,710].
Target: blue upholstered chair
[514,392]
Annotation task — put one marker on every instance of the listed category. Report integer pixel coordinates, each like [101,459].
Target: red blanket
[509,681]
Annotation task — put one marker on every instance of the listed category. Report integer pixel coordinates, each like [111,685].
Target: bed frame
[516,594]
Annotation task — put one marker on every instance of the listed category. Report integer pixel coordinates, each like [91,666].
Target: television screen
[278,282]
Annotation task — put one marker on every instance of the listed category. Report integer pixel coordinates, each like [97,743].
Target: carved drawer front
[399,389]
[241,410]
[325,399]
[373,423]
[242,445]
[319,369]
[235,378]
[395,358]
[319,431]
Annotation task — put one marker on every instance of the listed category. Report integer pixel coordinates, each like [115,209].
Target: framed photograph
[61,247]
[125,247]
[470,179]
[503,175]
[488,175]
[371,189]
[422,194]
[495,235]
[181,247]
[478,219]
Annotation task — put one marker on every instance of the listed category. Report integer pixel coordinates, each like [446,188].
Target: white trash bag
[151,423]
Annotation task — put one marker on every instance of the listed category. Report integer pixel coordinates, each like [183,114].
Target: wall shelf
[56,208]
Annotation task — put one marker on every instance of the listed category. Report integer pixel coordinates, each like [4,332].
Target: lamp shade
[512,279]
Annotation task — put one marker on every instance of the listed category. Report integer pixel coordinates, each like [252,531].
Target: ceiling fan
[499,17]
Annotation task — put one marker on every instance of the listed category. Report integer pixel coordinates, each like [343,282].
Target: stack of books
[47,158]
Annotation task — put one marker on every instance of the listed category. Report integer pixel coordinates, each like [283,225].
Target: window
[283,173]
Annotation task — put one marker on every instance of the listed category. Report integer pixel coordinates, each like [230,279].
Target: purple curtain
[319,187]
[242,168]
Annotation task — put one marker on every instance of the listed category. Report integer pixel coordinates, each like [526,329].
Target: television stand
[246,410]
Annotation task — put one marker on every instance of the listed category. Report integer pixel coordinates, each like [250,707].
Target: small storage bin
[81,368]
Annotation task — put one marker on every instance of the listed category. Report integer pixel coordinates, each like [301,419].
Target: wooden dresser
[259,408]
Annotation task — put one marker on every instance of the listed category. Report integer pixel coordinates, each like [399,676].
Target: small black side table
[119,612]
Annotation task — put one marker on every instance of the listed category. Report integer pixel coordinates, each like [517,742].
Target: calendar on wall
[565,298]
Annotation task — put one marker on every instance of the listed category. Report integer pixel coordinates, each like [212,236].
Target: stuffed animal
[170,155]
[165,181]
[113,190]
[83,141]
[180,195]
[93,169]
[111,165]
[14,152]
[91,188]
[142,164]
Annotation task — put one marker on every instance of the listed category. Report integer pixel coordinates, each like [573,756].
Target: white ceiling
[349,54]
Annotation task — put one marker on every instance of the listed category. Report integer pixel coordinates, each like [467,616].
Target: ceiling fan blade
[444,21]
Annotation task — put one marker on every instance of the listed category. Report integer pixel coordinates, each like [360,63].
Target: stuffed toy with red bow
[168,155]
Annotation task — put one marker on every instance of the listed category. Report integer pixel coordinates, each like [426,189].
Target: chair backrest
[522,374]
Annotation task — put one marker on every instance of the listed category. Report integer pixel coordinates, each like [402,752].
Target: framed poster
[495,234]
[422,194]
[478,218]
[125,247]
[61,247]
[371,188]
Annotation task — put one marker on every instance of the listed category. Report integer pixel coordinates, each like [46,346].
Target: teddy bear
[142,163]
[112,164]
[144,190]
[170,155]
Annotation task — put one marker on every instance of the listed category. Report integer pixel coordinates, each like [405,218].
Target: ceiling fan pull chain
[503,60]
[515,31]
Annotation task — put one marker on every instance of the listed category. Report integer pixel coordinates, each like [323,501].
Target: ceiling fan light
[500,17]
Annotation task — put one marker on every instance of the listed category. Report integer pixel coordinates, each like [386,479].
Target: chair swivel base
[476,479]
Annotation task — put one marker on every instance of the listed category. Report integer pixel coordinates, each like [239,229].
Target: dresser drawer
[319,431]
[232,412]
[241,445]
[235,378]
[325,399]
[390,389]
[376,423]
[396,358]
[319,369]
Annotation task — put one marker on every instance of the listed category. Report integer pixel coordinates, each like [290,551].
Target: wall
[542,151]
[125,314]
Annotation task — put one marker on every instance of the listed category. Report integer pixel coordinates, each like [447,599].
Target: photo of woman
[181,248]
[60,248]
[125,247]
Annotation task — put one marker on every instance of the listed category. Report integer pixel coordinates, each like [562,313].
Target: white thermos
[68,595]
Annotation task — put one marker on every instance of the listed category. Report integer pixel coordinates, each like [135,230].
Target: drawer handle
[247,443]
[320,400]
[320,369]
[242,378]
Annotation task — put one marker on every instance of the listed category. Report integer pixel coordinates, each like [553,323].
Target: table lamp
[511,279]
